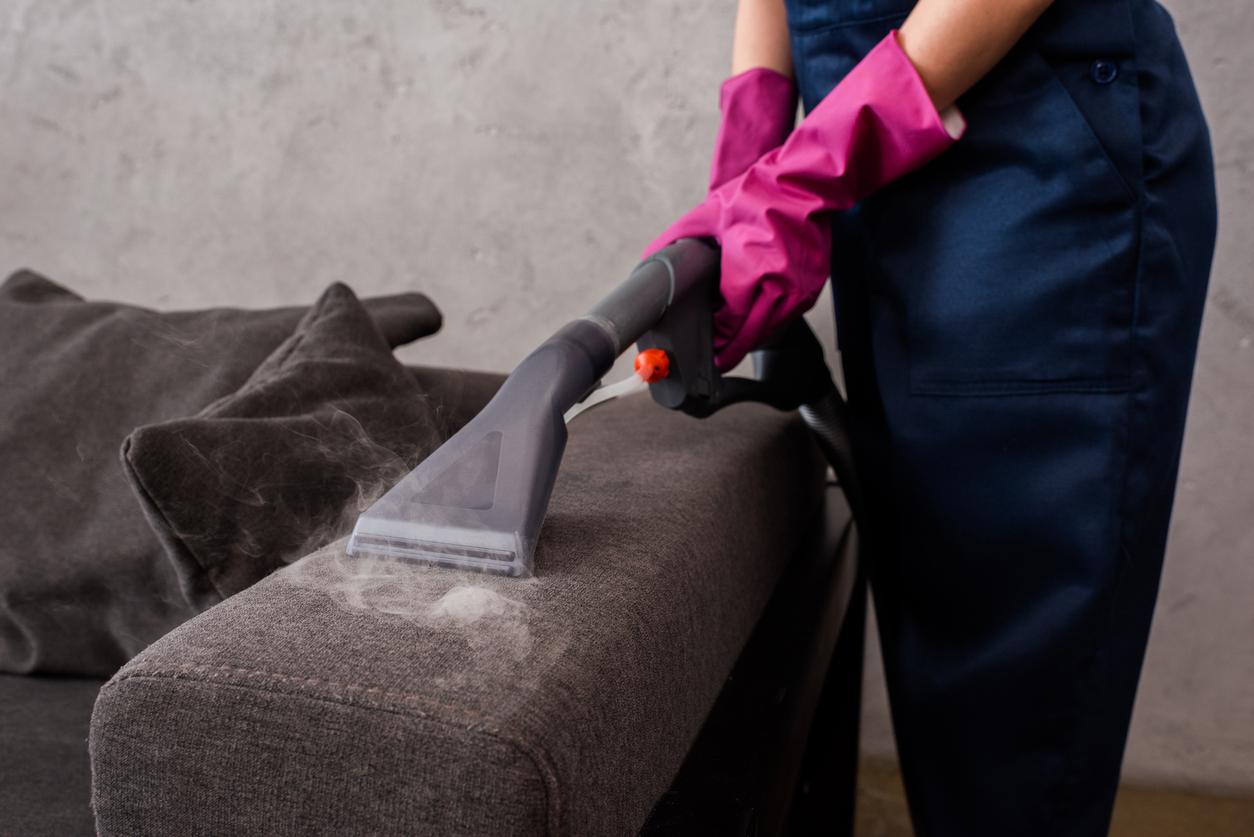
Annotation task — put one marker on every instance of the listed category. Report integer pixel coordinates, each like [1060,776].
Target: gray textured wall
[511,158]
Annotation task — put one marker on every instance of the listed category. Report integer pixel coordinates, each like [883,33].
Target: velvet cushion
[264,475]
[84,583]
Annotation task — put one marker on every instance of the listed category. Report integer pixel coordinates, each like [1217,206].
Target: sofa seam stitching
[534,752]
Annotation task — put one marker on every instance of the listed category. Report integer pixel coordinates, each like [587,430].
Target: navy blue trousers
[1018,324]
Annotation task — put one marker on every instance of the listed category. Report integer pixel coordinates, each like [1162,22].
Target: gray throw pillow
[84,583]
[283,466]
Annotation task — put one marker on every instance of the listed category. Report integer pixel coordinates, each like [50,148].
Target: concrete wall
[511,158]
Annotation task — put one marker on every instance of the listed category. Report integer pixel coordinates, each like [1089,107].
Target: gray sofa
[436,702]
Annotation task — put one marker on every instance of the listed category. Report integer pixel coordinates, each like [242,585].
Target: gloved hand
[773,221]
[759,108]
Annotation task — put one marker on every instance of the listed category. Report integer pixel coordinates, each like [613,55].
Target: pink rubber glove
[759,108]
[773,221]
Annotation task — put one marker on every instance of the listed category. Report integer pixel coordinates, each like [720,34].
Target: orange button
[652,365]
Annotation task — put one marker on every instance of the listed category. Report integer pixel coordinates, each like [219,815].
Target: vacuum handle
[667,303]
[638,303]
[790,368]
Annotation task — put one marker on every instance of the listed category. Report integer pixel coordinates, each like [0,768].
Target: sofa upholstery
[437,702]
[84,582]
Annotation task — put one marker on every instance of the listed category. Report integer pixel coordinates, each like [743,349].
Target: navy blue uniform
[1018,324]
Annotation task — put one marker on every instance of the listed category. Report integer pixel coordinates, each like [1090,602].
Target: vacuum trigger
[652,365]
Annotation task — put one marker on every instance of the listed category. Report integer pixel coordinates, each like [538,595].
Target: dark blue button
[1104,72]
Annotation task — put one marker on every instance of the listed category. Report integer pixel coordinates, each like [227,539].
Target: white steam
[465,605]
[435,599]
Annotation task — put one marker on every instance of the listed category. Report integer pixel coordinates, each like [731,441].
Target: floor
[1138,812]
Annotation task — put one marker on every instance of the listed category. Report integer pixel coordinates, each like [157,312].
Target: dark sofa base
[45,775]
[778,753]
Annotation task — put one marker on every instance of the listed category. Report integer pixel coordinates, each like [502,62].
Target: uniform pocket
[1009,264]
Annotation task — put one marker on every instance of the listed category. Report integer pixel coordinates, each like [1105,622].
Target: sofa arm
[423,701]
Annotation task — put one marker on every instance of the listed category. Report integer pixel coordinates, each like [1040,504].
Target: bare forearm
[954,43]
[761,38]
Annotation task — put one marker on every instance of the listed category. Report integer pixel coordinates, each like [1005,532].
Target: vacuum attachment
[478,501]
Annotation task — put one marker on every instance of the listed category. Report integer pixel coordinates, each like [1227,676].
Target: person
[1015,202]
